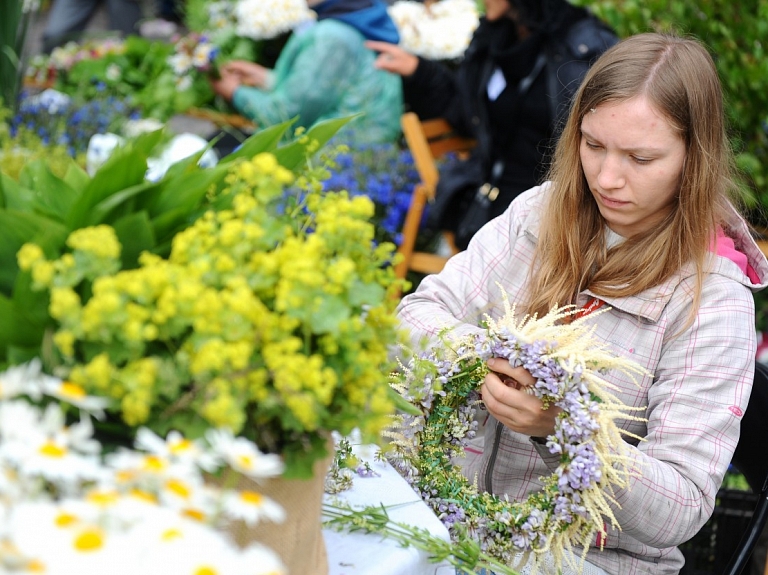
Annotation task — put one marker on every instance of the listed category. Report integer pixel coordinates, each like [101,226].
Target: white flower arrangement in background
[264,19]
[439,30]
[65,508]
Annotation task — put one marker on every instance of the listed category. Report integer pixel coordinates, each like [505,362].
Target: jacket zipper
[492,458]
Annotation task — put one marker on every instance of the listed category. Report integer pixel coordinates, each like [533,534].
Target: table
[369,554]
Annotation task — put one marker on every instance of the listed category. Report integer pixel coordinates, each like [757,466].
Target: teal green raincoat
[324,71]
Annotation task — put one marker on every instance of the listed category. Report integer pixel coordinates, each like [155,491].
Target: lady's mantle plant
[272,317]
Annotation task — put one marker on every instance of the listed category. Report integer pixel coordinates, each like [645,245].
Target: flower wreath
[576,498]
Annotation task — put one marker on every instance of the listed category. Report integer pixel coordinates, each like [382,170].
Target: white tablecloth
[368,554]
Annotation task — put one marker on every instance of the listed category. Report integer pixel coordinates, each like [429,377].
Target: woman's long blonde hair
[679,79]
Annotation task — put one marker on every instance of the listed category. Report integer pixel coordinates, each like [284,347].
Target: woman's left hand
[506,399]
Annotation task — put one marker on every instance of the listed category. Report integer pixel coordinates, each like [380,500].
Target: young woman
[634,220]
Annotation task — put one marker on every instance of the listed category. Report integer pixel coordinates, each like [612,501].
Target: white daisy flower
[181,63]
[251,507]
[175,447]
[243,456]
[18,420]
[258,559]
[60,541]
[184,83]
[73,394]
[114,73]
[172,544]
[22,379]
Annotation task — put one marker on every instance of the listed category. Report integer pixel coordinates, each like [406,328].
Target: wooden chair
[427,140]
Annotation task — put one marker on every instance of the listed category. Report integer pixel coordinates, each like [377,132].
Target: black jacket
[542,73]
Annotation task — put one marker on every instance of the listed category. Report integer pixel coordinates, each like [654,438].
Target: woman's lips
[611,203]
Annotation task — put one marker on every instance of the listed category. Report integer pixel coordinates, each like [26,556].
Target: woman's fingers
[518,374]
[517,409]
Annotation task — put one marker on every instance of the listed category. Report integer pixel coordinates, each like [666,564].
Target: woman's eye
[641,161]
[592,146]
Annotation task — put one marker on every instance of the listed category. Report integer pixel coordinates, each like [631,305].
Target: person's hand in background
[248,73]
[393,59]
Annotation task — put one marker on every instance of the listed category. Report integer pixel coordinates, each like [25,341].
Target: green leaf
[124,168]
[17,228]
[17,355]
[76,177]
[402,404]
[265,140]
[326,318]
[53,196]
[136,235]
[31,309]
[186,192]
[165,226]
[366,293]
[15,196]
[299,460]
[295,154]
[101,212]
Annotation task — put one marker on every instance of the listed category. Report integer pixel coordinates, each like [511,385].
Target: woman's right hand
[393,59]
[248,73]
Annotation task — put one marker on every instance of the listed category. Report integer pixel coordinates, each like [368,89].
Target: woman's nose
[611,174]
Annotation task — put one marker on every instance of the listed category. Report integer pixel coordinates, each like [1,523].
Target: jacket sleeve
[700,390]
[469,286]
[431,92]
[314,81]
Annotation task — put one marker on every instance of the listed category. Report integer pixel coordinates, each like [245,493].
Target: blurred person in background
[510,92]
[324,71]
[68,18]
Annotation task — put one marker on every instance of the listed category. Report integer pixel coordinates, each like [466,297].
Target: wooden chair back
[427,141]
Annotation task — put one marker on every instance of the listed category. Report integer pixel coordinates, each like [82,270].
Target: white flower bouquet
[67,507]
[439,30]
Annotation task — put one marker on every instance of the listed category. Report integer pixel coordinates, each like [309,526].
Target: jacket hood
[369,17]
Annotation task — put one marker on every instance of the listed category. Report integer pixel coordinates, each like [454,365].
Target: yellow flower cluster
[274,309]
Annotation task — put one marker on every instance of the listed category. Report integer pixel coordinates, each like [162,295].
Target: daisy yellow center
[171,534]
[177,487]
[252,498]
[50,449]
[72,390]
[65,520]
[245,461]
[195,514]
[206,570]
[181,446]
[89,540]
[36,566]
[143,495]
[125,476]
[154,463]
[103,497]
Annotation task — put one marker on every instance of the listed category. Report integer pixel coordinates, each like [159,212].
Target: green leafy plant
[49,201]
[14,21]
[281,310]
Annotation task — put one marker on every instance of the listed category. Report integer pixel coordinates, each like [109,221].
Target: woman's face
[633,160]
[496,9]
